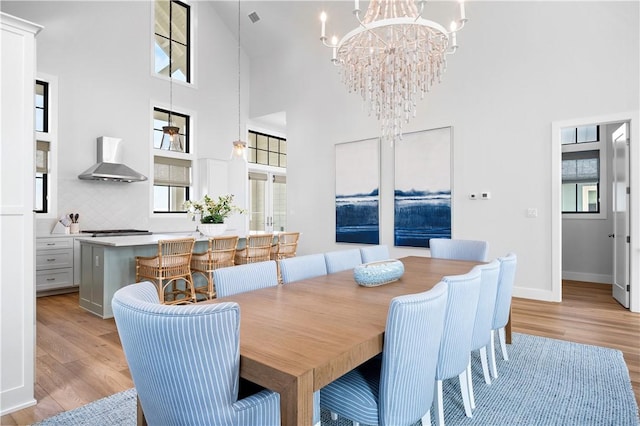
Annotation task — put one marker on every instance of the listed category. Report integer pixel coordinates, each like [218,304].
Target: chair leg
[492,356]
[464,390]
[426,419]
[485,365]
[438,403]
[503,343]
[472,399]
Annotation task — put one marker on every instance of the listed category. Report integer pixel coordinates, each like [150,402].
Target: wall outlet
[532,212]
[485,195]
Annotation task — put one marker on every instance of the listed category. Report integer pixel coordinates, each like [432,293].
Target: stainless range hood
[109,166]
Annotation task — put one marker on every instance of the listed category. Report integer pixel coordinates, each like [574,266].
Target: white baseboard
[590,278]
[534,293]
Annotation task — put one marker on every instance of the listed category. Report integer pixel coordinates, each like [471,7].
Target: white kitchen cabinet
[17,162]
[55,265]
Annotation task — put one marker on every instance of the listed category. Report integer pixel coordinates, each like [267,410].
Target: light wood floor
[79,358]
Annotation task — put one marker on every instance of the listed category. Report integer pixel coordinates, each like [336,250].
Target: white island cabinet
[108,263]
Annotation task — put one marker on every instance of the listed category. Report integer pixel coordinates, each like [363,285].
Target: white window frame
[50,136]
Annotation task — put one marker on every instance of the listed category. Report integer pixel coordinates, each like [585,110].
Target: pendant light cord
[239,78]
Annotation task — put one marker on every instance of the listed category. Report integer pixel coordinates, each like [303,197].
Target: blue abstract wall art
[422,196]
[357,192]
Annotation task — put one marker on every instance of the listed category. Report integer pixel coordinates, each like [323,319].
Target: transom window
[267,149]
[172,39]
[582,134]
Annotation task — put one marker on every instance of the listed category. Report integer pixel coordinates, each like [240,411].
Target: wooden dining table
[298,337]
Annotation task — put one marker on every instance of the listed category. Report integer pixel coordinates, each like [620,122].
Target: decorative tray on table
[373,274]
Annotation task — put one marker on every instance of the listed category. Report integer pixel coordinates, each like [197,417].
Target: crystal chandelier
[393,58]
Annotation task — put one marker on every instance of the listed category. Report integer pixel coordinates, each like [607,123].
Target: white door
[620,140]
[267,201]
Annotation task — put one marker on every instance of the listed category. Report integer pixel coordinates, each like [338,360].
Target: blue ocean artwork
[421,215]
[357,218]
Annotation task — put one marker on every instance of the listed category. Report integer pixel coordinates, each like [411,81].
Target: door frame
[633,117]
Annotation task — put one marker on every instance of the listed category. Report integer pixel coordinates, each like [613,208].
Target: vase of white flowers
[212,213]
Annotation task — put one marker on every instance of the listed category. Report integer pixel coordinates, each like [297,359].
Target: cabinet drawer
[49,259]
[56,278]
[53,243]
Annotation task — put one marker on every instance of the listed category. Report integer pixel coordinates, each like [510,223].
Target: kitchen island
[109,263]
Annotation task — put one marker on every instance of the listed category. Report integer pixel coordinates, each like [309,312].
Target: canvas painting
[422,197]
[357,187]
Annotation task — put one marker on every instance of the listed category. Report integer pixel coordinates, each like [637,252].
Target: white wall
[101,54]
[521,66]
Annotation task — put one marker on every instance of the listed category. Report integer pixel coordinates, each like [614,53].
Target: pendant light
[239,146]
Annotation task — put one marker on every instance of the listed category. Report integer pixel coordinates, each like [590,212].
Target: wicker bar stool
[285,247]
[257,249]
[171,264]
[221,253]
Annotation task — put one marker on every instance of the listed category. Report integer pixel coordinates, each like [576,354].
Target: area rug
[545,382]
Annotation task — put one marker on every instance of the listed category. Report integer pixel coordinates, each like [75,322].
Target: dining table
[296,338]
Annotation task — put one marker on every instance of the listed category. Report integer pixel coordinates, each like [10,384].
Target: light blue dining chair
[247,277]
[374,253]
[185,361]
[455,349]
[302,267]
[481,337]
[506,280]
[397,388]
[341,260]
[445,248]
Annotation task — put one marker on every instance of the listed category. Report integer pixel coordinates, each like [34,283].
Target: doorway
[604,225]
[267,201]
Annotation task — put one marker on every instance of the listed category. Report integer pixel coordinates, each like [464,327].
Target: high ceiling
[284,24]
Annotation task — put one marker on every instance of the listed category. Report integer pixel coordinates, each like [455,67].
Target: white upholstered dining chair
[481,337]
[502,309]
[396,388]
[247,277]
[455,348]
[374,253]
[445,248]
[341,260]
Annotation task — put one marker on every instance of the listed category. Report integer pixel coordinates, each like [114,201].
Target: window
[41,204]
[583,134]
[268,150]
[172,40]
[42,172]
[582,164]
[42,106]
[581,182]
[161,118]
[172,163]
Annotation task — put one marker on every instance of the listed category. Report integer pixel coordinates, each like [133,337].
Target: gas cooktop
[115,232]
